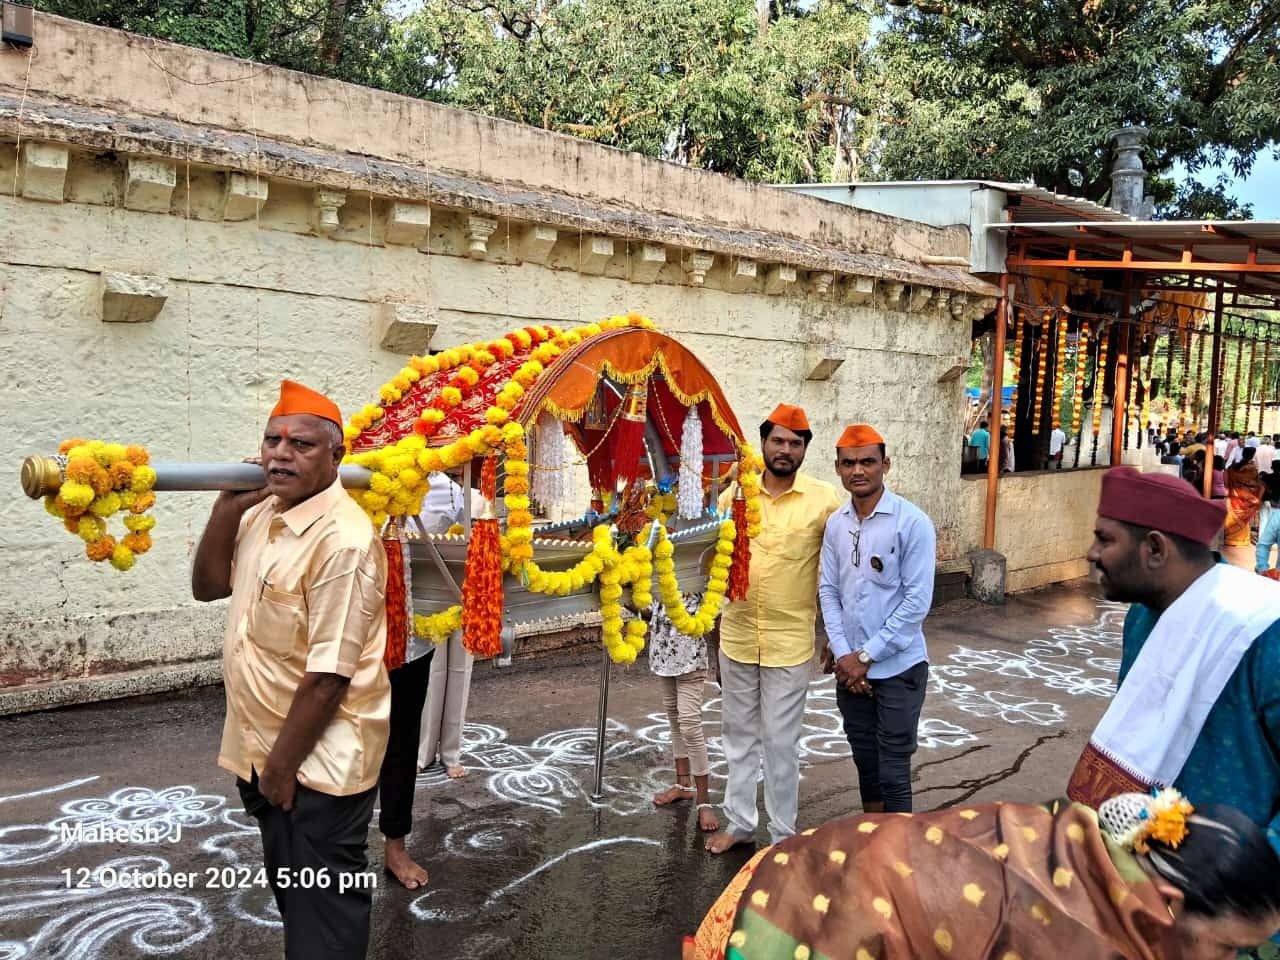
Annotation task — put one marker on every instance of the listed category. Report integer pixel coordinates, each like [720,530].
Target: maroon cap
[1161,502]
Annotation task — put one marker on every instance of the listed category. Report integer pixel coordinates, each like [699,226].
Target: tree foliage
[1010,89]
[787,90]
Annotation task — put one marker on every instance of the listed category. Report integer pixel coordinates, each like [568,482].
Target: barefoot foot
[401,866]
[456,773]
[708,822]
[722,841]
[677,793]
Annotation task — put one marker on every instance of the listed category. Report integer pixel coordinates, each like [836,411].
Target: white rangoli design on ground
[551,776]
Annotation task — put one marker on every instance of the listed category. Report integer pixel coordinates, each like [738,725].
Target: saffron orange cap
[790,417]
[295,398]
[859,435]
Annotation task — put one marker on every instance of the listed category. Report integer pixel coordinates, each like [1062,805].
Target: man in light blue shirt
[876,585]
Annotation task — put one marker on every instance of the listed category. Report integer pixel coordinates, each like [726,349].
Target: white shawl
[1153,723]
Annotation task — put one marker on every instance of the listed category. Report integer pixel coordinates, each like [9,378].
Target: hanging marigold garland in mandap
[1059,372]
[1017,374]
[1042,362]
[1266,372]
[1077,398]
[1248,383]
[1099,381]
[1184,406]
[1195,403]
[1135,375]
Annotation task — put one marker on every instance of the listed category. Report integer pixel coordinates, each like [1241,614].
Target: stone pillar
[1128,178]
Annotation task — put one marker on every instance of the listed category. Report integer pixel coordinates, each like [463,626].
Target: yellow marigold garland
[438,627]
[700,623]
[399,483]
[393,493]
[103,479]
[750,472]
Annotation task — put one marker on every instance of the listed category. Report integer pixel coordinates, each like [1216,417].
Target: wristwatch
[864,657]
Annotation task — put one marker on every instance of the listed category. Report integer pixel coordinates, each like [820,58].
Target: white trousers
[445,711]
[762,711]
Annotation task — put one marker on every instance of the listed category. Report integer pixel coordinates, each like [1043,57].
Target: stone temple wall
[180,230]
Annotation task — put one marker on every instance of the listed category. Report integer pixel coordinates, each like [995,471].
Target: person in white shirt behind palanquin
[1057,440]
[449,685]
[1266,454]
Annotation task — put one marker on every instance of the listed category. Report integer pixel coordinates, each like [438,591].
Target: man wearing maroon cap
[1198,704]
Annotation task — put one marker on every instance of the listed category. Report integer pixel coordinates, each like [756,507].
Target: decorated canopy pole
[665,435]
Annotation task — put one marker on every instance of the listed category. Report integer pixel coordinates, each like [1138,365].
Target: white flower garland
[689,490]
[552,484]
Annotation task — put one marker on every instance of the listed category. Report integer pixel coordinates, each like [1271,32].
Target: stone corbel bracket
[44,171]
[149,185]
[405,328]
[407,223]
[131,297]
[327,203]
[243,197]
[822,360]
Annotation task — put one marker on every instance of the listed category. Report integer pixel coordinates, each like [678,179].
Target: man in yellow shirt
[307,693]
[767,640]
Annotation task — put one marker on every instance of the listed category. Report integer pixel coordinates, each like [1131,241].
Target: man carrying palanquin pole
[767,640]
[1198,704]
[307,692]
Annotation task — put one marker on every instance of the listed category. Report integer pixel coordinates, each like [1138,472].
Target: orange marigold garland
[1042,365]
[1077,396]
[1099,378]
[482,583]
[1059,372]
[1017,373]
[101,480]
[739,572]
[399,624]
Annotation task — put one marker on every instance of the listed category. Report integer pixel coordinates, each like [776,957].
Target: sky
[1262,188]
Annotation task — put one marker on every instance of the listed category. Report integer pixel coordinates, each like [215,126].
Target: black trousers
[882,734]
[308,852]
[400,765]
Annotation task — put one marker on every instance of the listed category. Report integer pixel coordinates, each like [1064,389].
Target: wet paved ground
[523,863]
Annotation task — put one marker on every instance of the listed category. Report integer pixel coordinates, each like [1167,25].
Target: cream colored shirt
[774,625]
[307,595]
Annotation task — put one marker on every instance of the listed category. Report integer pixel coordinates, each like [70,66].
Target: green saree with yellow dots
[987,882]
